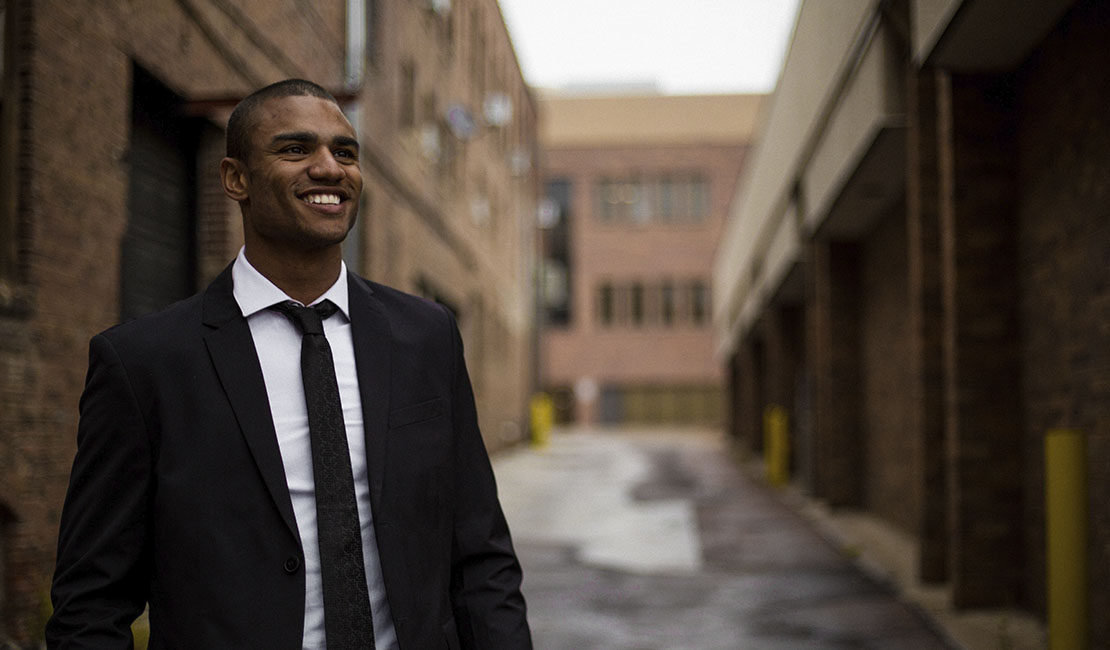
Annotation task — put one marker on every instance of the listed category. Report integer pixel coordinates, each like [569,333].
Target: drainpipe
[354,69]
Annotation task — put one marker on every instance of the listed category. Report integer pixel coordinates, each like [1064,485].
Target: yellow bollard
[1066,538]
[542,411]
[776,445]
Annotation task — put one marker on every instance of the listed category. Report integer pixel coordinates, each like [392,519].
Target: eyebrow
[307,137]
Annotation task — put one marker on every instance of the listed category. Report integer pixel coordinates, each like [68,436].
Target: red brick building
[637,189]
[917,272]
[111,131]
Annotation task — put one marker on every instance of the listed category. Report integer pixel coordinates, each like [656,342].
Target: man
[205,481]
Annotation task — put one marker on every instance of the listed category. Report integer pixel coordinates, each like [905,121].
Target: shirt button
[292,564]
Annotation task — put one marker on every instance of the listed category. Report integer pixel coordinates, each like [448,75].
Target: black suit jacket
[178,494]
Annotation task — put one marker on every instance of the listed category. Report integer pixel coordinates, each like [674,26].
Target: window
[653,304]
[373,30]
[555,228]
[666,304]
[605,304]
[699,302]
[636,304]
[408,95]
[699,199]
[665,199]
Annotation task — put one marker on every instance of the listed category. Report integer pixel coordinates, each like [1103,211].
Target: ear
[233,173]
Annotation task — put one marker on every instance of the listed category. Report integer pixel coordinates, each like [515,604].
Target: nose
[325,167]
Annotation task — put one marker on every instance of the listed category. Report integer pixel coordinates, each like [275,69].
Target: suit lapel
[372,336]
[231,348]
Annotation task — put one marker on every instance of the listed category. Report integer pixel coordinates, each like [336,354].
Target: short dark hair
[242,119]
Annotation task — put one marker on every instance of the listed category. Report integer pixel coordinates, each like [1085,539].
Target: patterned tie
[348,624]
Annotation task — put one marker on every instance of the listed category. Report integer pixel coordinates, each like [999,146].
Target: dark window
[699,302]
[666,304]
[699,199]
[158,258]
[636,306]
[558,269]
[373,30]
[606,304]
[408,94]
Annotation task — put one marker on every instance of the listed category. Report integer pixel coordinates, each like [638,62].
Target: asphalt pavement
[656,540]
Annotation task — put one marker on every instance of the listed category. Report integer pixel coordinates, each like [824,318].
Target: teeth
[322,199]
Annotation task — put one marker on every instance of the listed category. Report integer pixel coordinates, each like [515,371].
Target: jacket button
[292,564]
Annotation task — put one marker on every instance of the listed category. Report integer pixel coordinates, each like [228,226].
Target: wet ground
[657,541]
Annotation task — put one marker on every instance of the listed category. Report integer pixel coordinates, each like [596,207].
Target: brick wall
[783,333]
[832,322]
[654,354]
[925,421]
[75,209]
[454,222]
[890,451]
[982,370]
[752,392]
[1065,306]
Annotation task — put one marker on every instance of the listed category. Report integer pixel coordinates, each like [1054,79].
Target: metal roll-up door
[159,246]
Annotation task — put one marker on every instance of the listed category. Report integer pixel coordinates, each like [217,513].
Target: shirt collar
[254,291]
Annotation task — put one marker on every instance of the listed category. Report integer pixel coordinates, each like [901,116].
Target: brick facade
[449,213]
[890,471]
[1064,219]
[925,422]
[649,370]
[946,338]
[832,321]
[68,103]
[76,66]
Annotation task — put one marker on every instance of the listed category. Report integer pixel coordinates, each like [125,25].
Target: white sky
[682,46]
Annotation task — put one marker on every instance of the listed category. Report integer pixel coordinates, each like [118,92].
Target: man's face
[302,176]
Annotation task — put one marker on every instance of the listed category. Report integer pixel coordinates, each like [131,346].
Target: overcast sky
[680,46]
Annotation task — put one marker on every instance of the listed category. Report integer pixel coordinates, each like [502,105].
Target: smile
[322,199]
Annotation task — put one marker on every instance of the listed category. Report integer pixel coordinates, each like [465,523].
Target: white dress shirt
[278,344]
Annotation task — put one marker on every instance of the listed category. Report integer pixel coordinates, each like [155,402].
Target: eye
[345,153]
[295,149]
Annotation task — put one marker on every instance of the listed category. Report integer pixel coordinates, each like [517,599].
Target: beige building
[637,188]
[915,270]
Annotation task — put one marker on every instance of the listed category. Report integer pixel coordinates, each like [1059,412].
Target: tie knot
[309,320]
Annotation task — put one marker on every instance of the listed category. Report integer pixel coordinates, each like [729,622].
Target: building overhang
[977,36]
[875,185]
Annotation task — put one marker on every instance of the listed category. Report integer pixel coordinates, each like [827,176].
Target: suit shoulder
[160,328]
[407,306]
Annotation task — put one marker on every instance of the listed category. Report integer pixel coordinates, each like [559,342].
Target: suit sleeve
[100,579]
[488,606]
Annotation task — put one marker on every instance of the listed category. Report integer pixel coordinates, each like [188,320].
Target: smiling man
[290,459]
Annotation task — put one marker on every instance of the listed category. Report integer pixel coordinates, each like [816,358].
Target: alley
[655,541]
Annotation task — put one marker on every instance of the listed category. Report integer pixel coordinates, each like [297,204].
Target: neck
[303,275]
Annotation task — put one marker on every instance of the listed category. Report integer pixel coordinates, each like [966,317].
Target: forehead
[300,113]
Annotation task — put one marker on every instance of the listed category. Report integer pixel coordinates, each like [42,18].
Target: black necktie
[348,624]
